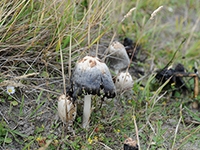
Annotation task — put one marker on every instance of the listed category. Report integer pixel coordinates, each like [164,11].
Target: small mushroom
[64,103]
[89,77]
[195,105]
[118,58]
[130,144]
[123,81]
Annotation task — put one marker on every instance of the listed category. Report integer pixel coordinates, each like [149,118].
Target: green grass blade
[38,107]
[22,103]
[39,96]
[193,114]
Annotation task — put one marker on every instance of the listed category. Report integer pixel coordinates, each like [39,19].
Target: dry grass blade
[136,131]
[191,34]
[4,117]
[176,131]
[11,82]
[61,55]
[25,76]
[155,12]
[128,14]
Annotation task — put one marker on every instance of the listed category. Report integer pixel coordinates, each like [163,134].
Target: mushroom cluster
[66,110]
[91,76]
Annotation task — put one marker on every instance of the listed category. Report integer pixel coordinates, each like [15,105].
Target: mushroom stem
[86,110]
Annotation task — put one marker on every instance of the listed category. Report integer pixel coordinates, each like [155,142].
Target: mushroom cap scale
[90,76]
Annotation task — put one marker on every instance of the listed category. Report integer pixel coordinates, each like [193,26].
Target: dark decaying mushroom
[130,144]
[130,46]
[89,77]
[164,74]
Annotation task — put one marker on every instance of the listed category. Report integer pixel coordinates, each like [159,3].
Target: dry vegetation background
[38,37]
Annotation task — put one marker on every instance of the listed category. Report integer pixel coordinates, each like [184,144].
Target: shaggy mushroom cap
[130,144]
[65,103]
[118,58]
[89,77]
[123,81]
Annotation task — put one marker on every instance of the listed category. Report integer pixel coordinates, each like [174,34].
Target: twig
[106,147]
[4,118]
[25,76]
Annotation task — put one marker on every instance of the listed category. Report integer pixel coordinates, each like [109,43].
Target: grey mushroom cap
[118,58]
[90,76]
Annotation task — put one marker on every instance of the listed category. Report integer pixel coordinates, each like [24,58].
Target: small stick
[106,147]
[25,76]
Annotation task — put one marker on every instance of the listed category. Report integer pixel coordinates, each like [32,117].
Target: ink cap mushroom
[123,81]
[66,110]
[90,77]
[130,144]
[118,58]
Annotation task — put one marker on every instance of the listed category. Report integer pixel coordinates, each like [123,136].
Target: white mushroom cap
[64,103]
[118,58]
[123,81]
